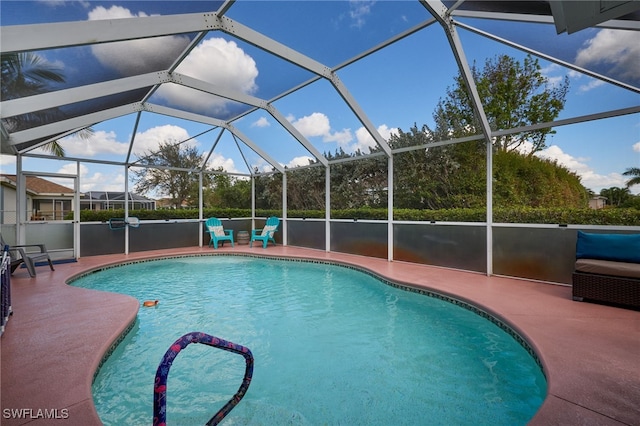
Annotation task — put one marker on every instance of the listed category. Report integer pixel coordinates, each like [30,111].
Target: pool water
[332,346]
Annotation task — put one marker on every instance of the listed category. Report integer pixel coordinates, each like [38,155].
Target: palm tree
[635,172]
[27,74]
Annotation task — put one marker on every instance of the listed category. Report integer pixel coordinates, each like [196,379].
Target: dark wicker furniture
[622,291]
[607,268]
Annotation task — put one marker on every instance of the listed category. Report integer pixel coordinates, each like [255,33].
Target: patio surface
[58,334]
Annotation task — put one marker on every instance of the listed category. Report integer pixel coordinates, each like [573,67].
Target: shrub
[574,216]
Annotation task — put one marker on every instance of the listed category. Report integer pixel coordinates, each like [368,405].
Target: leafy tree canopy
[634,172]
[168,175]
[28,74]
[512,94]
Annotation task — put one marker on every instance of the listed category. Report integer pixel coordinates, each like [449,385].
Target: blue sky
[396,87]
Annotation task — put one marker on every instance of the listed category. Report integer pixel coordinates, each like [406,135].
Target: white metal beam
[21,38]
[260,40]
[80,122]
[78,94]
[184,115]
[217,90]
[568,121]
[225,7]
[548,57]
[388,42]
[503,16]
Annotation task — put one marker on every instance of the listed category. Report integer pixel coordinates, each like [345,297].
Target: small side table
[243,237]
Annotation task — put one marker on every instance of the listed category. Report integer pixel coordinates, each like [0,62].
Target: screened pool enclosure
[264,88]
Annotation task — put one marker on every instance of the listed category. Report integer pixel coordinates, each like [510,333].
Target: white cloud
[636,147]
[261,122]
[7,160]
[342,137]
[262,165]
[386,131]
[216,61]
[52,3]
[359,10]
[366,141]
[135,56]
[218,160]
[299,161]
[554,74]
[619,50]
[316,124]
[100,142]
[589,178]
[150,139]
[92,182]
[591,84]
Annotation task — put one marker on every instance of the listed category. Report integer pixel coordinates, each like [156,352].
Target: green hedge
[614,216]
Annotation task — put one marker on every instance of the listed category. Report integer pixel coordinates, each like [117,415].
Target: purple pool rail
[160,388]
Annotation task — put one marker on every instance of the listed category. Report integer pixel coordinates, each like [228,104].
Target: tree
[438,177]
[228,192]
[306,188]
[359,183]
[166,173]
[635,173]
[616,196]
[512,95]
[27,74]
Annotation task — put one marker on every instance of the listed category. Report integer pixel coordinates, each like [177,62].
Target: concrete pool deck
[58,334]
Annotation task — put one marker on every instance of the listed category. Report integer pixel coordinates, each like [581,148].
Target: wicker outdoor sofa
[607,269]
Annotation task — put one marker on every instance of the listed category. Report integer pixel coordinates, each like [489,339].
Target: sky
[396,87]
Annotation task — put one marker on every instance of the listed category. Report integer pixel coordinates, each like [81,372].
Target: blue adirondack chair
[217,232]
[265,234]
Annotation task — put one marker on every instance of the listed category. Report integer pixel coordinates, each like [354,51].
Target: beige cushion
[608,267]
[267,230]
[218,231]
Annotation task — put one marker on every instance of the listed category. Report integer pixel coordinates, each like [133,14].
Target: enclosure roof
[118,79]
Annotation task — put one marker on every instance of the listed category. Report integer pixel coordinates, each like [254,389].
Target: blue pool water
[332,346]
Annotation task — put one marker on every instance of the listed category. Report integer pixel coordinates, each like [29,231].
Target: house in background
[107,200]
[46,200]
[597,202]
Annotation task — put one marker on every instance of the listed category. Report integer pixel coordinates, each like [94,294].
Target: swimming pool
[332,345]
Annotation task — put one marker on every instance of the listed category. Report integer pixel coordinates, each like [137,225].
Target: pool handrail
[162,374]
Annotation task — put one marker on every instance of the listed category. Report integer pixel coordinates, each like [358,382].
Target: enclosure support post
[390,209]
[327,209]
[285,228]
[200,207]
[76,213]
[21,205]
[126,209]
[253,201]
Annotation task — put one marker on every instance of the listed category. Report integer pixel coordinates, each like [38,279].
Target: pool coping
[588,352]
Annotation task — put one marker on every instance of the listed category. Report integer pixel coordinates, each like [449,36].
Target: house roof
[38,186]
[114,196]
